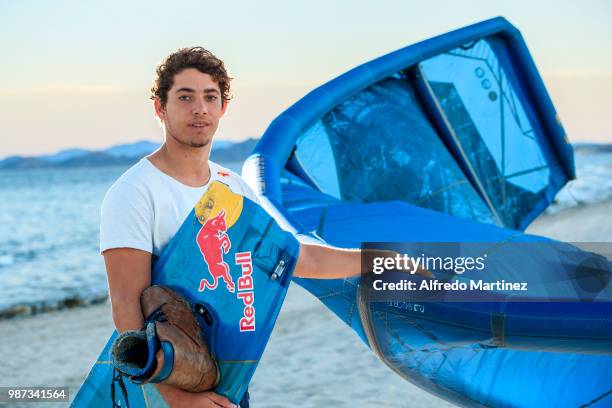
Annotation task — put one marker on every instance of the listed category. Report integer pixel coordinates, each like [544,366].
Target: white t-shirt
[145,207]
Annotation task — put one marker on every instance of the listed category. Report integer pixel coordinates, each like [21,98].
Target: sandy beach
[312,360]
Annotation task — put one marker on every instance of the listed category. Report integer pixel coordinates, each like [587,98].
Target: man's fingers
[402,262]
[220,400]
[424,272]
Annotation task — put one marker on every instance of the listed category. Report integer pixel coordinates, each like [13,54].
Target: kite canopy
[453,139]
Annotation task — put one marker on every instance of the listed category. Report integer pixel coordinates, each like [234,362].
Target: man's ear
[160,109]
[224,107]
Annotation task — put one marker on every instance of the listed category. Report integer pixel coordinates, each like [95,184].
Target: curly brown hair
[193,57]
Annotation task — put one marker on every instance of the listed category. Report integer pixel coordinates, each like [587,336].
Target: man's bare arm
[129,273]
[324,262]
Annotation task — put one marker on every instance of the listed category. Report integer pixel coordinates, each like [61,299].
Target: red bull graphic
[245,291]
[214,242]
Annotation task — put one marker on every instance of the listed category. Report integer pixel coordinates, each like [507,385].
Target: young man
[145,207]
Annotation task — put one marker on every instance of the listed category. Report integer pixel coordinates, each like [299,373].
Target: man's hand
[176,398]
[210,399]
[419,270]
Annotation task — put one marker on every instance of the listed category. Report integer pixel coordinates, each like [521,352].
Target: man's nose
[199,106]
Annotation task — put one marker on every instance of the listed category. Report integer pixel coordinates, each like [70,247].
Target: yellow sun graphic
[218,197]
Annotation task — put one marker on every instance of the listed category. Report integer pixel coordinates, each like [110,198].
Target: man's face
[193,109]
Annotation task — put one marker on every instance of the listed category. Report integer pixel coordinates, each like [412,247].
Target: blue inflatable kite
[451,140]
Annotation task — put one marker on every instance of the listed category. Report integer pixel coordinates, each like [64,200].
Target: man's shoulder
[138,180]
[139,173]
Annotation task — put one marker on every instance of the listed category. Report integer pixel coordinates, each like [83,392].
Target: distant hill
[63,155]
[123,154]
[138,149]
[234,152]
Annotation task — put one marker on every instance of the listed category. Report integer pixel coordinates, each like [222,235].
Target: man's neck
[188,165]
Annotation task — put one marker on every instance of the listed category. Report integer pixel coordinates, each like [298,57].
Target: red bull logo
[214,242]
[246,292]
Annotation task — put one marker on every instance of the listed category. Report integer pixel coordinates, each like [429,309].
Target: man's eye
[184,97]
[212,98]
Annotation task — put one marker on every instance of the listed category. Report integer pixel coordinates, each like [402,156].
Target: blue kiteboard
[230,255]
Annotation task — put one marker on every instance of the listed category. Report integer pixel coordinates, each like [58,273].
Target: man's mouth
[199,125]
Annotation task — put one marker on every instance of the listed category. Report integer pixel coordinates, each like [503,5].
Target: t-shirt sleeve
[126,219]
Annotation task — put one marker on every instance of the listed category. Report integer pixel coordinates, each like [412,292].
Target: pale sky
[77,74]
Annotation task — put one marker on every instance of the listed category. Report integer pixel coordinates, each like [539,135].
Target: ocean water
[49,225]
[49,237]
[593,182]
